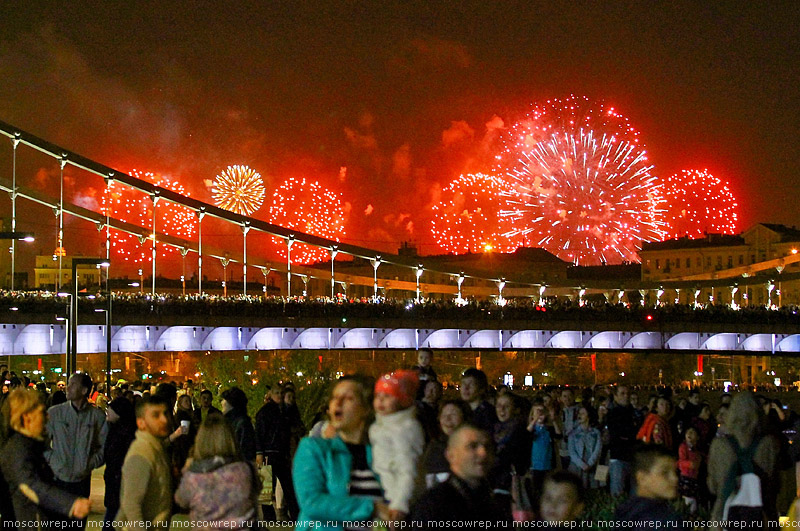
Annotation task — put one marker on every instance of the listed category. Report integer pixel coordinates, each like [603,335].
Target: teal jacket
[321,473]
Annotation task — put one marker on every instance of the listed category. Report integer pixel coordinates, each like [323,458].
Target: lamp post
[460,281]
[72,356]
[66,327]
[334,251]
[289,242]
[376,263]
[418,273]
[107,311]
[14,236]
[14,142]
[245,230]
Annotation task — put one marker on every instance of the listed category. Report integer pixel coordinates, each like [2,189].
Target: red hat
[400,384]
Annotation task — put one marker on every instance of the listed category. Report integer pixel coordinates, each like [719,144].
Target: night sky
[403,95]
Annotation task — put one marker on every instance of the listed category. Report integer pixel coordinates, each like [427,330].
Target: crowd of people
[595,308]
[390,451]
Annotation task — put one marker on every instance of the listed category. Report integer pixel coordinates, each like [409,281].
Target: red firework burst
[699,203]
[308,207]
[582,187]
[134,207]
[467,219]
[571,114]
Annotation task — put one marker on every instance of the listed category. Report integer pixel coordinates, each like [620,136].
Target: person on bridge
[77,431]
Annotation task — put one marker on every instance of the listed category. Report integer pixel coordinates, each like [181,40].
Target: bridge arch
[9,334]
[313,338]
[35,339]
[566,339]
[609,340]
[182,338]
[644,341]
[360,338]
[724,341]
[444,338]
[529,339]
[789,344]
[483,339]
[273,338]
[757,343]
[404,338]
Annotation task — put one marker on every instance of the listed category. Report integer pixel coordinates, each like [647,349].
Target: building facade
[766,250]
[46,274]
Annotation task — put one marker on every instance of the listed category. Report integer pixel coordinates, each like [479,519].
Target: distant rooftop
[527,254]
[631,271]
[788,234]
[711,240]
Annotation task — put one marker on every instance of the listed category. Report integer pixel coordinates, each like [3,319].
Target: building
[46,274]
[766,250]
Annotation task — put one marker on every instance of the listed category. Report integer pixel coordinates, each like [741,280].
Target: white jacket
[397,444]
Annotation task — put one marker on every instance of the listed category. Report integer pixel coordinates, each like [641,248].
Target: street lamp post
[245,229]
[107,311]
[418,273]
[289,242]
[376,263]
[14,142]
[72,356]
[334,251]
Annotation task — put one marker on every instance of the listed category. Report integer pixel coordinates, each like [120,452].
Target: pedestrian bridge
[44,339]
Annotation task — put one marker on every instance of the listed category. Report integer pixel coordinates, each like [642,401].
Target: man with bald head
[466,495]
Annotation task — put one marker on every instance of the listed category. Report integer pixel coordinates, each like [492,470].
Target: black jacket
[455,501]
[23,464]
[640,512]
[484,417]
[272,430]
[120,436]
[622,429]
[243,433]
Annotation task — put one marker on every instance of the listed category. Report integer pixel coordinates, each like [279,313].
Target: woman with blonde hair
[30,480]
[217,485]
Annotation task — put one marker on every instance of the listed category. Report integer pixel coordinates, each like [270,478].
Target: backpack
[743,503]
